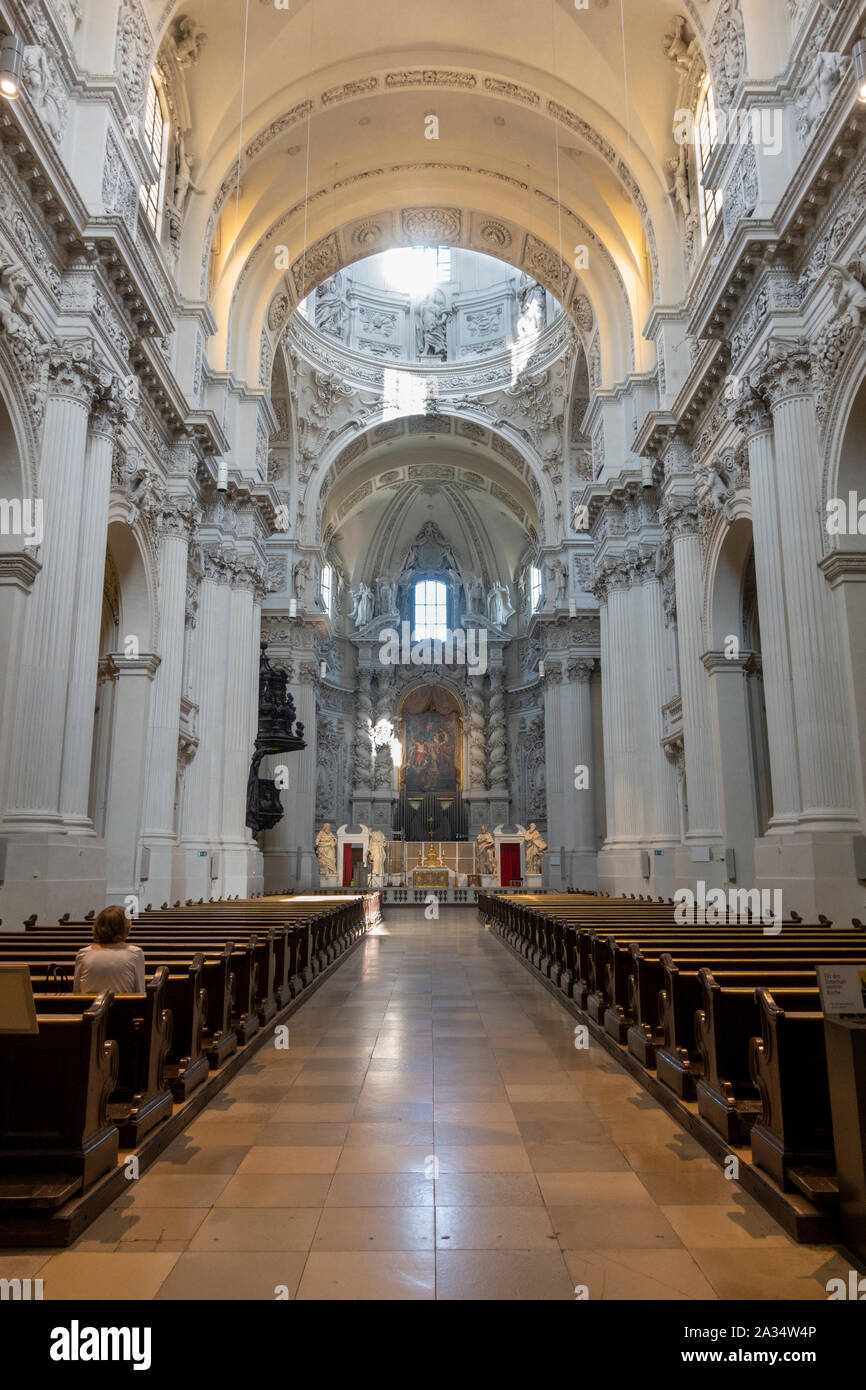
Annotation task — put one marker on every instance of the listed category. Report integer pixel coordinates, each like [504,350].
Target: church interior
[432,717]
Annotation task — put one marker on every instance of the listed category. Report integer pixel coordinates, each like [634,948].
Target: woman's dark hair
[111,925]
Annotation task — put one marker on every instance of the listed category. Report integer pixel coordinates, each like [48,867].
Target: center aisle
[431,1132]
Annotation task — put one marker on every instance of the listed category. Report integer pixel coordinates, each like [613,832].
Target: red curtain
[347,865]
[509,864]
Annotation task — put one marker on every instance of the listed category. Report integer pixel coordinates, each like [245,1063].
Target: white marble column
[203,777]
[752,416]
[42,673]
[619,701]
[568,748]
[823,725]
[362,771]
[126,733]
[159,832]
[700,733]
[661,819]
[113,409]
[241,722]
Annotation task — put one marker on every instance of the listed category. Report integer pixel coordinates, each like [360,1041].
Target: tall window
[443,264]
[327,586]
[706,139]
[431,610]
[156,139]
[534,588]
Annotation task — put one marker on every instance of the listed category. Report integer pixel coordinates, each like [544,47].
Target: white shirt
[120,968]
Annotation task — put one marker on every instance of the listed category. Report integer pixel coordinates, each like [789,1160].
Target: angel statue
[849,292]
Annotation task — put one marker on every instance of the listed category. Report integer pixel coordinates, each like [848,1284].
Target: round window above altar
[436,305]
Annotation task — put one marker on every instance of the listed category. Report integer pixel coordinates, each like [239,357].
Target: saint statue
[486,852]
[362,610]
[431,326]
[378,848]
[331,307]
[535,849]
[326,851]
[499,604]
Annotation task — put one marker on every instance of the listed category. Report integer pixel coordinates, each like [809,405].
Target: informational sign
[843,991]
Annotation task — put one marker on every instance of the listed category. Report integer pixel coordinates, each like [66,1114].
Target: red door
[509,864]
[347,865]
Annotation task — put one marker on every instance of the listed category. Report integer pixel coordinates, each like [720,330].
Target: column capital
[749,411]
[784,371]
[115,404]
[74,370]
[580,669]
[680,517]
[180,517]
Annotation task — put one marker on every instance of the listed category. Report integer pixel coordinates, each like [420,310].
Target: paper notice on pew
[843,990]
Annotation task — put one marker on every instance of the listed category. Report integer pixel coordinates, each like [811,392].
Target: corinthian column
[362,774]
[177,524]
[42,676]
[568,751]
[822,723]
[497,763]
[751,414]
[203,779]
[661,818]
[700,738]
[114,409]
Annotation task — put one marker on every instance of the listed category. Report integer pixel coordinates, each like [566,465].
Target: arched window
[327,586]
[534,588]
[706,139]
[156,139]
[430,616]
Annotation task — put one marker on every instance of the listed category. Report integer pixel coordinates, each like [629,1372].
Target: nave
[312,1174]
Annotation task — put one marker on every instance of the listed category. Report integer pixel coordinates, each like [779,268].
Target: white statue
[330,306]
[532,310]
[499,608]
[387,590]
[300,575]
[37,78]
[849,293]
[362,605]
[473,588]
[675,45]
[189,40]
[378,849]
[679,190]
[14,285]
[486,852]
[431,326]
[326,851]
[535,849]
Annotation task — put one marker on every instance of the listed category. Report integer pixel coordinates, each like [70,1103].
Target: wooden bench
[56,1138]
[788,1067]
[724,1026]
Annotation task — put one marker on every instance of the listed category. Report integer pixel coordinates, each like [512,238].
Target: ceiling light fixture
[11,62]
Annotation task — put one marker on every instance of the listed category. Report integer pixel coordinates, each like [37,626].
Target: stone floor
[432,1132]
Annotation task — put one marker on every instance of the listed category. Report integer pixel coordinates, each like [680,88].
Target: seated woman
[110,963]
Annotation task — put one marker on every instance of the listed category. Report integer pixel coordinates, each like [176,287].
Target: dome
[431,305]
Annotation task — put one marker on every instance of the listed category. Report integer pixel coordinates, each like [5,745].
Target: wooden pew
[140,1024]
[56,1138]
[788,1066]
[724,1026]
